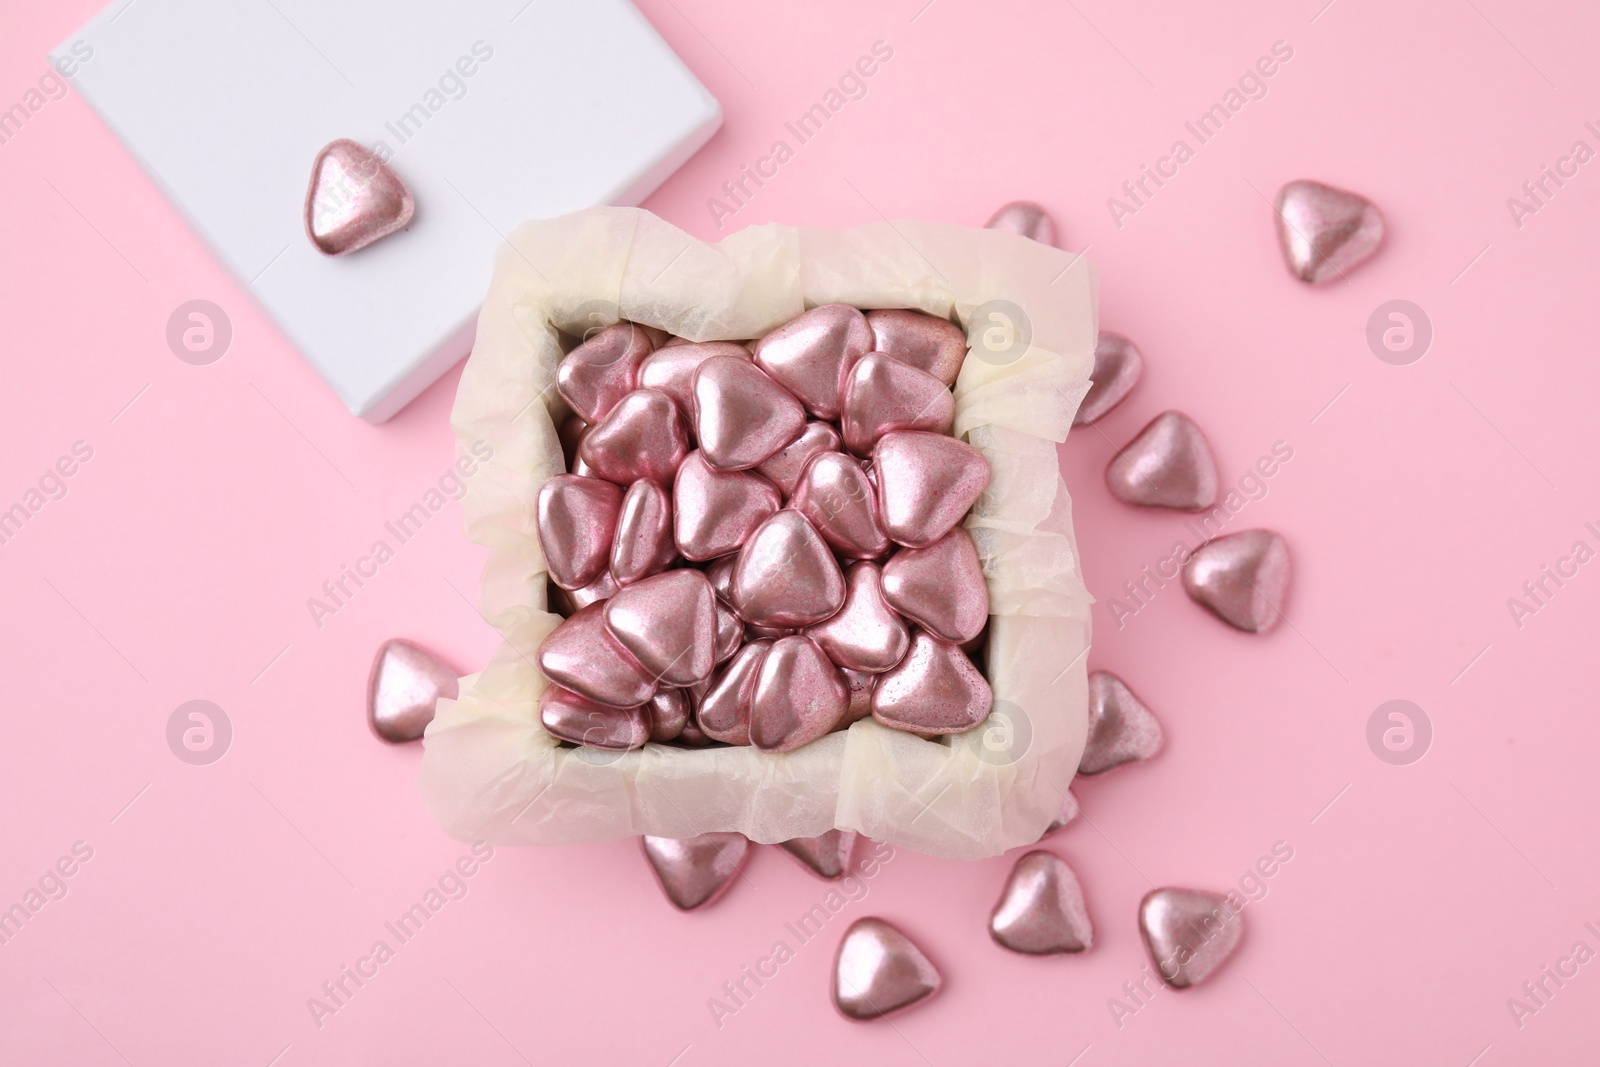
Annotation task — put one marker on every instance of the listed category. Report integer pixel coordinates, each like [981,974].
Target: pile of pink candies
[759,544]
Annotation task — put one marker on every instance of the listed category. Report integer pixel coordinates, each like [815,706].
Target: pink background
[177,566]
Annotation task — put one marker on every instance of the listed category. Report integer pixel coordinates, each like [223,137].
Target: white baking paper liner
[491,773]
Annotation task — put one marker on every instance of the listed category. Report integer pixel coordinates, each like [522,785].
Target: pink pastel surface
[1419,498]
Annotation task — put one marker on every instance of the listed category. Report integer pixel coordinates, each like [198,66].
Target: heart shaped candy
[1242,578]
[669,623]
[926,484]
[810,354]
[1117,366]
[741,416]
[799,696]
[404,688]
[581,655]
[785,468]
[643,543]
[1168,465]
[864,635]
[834,493]
[573,717]
[354,199]
[671,369]
[882,394]
[577,519]
[940,587]
[1121,728]
[1325,231]
[879,971]
[932,345]
[1026,219]
[696,871]
[1189,933]
[786,576]
[1041,912]
[718,510]
[934,690]
[827,855]
[643,436]
[596,375]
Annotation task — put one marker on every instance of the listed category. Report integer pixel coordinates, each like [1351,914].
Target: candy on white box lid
[444,94]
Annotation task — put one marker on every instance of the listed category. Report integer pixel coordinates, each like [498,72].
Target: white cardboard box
[493,112]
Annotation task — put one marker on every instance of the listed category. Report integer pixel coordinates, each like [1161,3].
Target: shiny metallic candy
[879,971]
[810,355]
[1324,231]
[826,856]
[934,690]
[1121,729]
[596,375]
[1117,367]
[865,634]
[404,689]
[940,588]
[882,394]
[799,696]
[573,717]
[643,542]
[834,493]
[1168,465]
[1189,933]
[577,520]
[786,576]
[354,199]
[932,345]
[1041,911]
[581,655]
[669,623]
[695,872]
[716,511]
[642,436]
[741,416]
[1025,218]
[927,483]
[1242,578]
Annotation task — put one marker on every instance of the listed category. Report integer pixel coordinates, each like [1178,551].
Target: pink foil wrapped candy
[932,345]
[1324,231]
[786,576]
[927,482]
[694,872]
[881,395]
[940,587]
[671,369]
[643,543]
[724,712]
[934,690]
[718,510]
[669,623]
[642,436]
[865,634]
[577,520]
[798,697]
[404,688]
[575,718]
[593,377]
[810,354]
[835,494]
[785,468]
[741,416]
[581,655]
